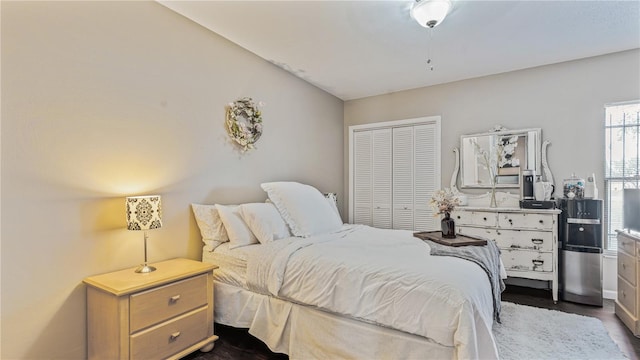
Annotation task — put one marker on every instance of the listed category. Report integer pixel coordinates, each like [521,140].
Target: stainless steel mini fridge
[581,245]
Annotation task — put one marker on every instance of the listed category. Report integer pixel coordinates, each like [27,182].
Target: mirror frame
[532,156]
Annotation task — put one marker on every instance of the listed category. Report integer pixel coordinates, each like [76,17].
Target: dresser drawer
[523,239]
[476,232]
[171,337]
[159,304]
[627,295]
[627,267]
[527,260]
[475,218]
[525,221]
[627,245]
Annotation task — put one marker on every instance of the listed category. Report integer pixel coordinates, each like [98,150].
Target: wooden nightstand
[167,313]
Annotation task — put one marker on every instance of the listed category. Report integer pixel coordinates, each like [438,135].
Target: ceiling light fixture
[430,13]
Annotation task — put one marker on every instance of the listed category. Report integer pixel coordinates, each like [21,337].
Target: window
[622,167]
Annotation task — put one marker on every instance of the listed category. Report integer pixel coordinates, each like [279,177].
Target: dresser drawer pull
[537,241]
[541,222]
[174,336]
[537,262]
[510,221]
[484,218]
[174,299]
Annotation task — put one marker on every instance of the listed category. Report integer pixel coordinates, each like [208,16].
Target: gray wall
[101,100]
[566,100]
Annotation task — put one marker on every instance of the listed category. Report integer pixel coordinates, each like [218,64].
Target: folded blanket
[487,257]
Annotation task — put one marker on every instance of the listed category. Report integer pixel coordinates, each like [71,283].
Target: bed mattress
[232,263]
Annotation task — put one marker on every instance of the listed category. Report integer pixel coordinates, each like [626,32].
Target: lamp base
[145,269]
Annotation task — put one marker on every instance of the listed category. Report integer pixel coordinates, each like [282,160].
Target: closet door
[402,198]
[426,176]
[381,193]
[362,177]
[394,171]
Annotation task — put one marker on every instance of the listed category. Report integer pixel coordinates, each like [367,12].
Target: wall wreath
[244,122]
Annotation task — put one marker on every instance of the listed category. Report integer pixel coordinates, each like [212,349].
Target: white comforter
[385,277]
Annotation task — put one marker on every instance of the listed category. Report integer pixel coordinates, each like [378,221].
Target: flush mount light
[430,13]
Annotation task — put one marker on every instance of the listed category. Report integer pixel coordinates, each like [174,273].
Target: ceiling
[355,49]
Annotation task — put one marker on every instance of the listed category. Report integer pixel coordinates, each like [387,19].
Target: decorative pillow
[332,198]
[239,233]
[208,220]
[265,221]
[303,208]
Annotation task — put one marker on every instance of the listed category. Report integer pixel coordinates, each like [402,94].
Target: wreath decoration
[244,122]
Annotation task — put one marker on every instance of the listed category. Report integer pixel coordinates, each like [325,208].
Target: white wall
[566,100]
[101,100]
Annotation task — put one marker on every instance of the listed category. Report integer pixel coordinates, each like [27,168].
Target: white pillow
[265,222]
[211,245]
[208,220]
[303,208]
[239,233]
[332,198]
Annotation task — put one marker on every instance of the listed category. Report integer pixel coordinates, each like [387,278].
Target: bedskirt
[305,332]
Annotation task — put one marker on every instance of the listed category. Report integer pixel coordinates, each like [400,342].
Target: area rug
[528,332]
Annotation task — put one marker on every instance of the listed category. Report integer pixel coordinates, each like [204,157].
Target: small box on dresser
[167,313]
[628,299]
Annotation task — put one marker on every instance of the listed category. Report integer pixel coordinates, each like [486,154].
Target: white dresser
[628,301]
[528,239]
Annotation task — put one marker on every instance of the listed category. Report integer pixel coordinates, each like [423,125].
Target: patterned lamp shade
[144,212]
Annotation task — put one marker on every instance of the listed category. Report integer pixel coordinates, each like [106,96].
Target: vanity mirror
[501,152]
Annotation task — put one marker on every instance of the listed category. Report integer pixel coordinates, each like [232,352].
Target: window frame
[610,245]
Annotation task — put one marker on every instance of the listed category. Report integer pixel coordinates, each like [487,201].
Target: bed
[311,287]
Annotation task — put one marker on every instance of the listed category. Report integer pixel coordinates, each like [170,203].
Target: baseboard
[609,294]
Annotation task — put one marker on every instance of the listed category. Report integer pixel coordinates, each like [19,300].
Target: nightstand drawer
[627,267]
[169,338]
[627,245]
[156,305]
[627,295]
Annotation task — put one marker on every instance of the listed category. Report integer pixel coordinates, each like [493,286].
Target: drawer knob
[174,336]
[458,217]
[174,299]
[541,222]
[484,218]
[510,221]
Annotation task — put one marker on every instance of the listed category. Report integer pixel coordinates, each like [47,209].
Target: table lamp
[144,213]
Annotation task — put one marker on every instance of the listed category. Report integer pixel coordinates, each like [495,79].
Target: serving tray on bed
[459,240]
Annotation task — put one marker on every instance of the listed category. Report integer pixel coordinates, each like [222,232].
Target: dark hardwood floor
[239,344]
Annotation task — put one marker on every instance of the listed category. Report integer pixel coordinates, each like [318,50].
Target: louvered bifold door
[362,187]
[402,197]
[381,182]
[425,165]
